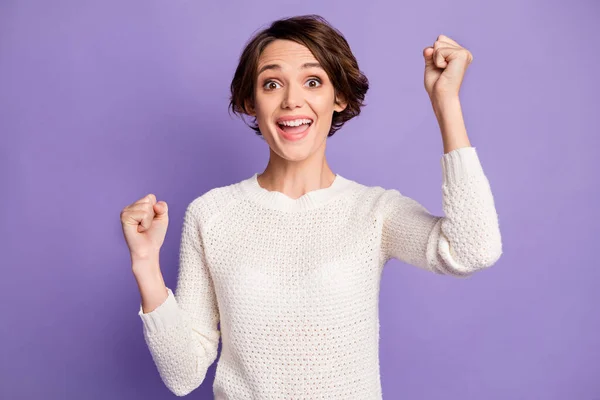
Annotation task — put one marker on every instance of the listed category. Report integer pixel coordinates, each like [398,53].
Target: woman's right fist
[145,227]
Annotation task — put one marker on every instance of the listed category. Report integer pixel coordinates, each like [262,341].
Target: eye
[315,80]
[268,85]
[269,82]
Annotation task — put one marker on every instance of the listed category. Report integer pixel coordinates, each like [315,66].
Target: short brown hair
[328,46]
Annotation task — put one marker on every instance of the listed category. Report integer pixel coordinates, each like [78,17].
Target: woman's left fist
[445,66]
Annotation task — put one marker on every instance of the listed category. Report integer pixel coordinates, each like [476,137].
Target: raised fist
[145,227]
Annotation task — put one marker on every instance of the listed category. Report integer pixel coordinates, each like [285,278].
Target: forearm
[151,284]
[449,115]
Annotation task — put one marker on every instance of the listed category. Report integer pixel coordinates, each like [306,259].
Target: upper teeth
[295,122]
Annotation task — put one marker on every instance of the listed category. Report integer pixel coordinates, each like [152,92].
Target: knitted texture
[294,283]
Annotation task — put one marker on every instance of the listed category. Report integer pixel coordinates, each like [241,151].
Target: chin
[291,153]
[295,148]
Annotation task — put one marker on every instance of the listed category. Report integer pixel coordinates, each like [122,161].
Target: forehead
[287,53]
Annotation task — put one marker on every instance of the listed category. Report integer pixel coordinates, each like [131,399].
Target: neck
[296,178]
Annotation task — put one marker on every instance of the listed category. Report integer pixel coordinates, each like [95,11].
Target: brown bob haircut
[328,46]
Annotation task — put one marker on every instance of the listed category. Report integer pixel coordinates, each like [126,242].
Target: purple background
[104,102]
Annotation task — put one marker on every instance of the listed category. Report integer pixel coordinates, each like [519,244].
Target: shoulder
[388,202]
[375,197]
[213,202]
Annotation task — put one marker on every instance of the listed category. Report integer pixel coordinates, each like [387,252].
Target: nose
[293,97]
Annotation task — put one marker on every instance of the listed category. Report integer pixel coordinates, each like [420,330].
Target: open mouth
[295,127]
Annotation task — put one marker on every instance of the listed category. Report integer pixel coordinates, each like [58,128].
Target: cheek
[324,108]
[264,106]
[323,100]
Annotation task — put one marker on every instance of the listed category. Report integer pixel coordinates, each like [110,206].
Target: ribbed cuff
[459,164]
[162,317]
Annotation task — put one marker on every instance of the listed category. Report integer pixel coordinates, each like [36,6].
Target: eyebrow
[278,67]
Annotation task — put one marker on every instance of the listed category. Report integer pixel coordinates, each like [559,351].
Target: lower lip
[294,137]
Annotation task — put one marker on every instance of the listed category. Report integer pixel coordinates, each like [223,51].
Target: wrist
[146,257]
[147,267]
[445,105]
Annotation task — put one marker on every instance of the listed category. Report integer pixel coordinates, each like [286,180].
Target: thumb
[161,209]
[428,54]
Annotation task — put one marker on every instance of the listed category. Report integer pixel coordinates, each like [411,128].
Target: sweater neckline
[280,201]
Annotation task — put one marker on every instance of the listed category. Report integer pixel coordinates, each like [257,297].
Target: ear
[340,104]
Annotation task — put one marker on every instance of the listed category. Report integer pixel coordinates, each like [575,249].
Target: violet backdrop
[104,102]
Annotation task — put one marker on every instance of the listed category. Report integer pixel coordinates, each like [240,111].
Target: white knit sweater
[295,283]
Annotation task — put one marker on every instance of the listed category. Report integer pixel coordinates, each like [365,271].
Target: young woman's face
[290,84]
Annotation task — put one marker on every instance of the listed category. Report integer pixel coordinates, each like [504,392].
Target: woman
[289,261]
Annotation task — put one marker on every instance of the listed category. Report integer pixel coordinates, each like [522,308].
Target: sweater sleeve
[182,333]
[465,240]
